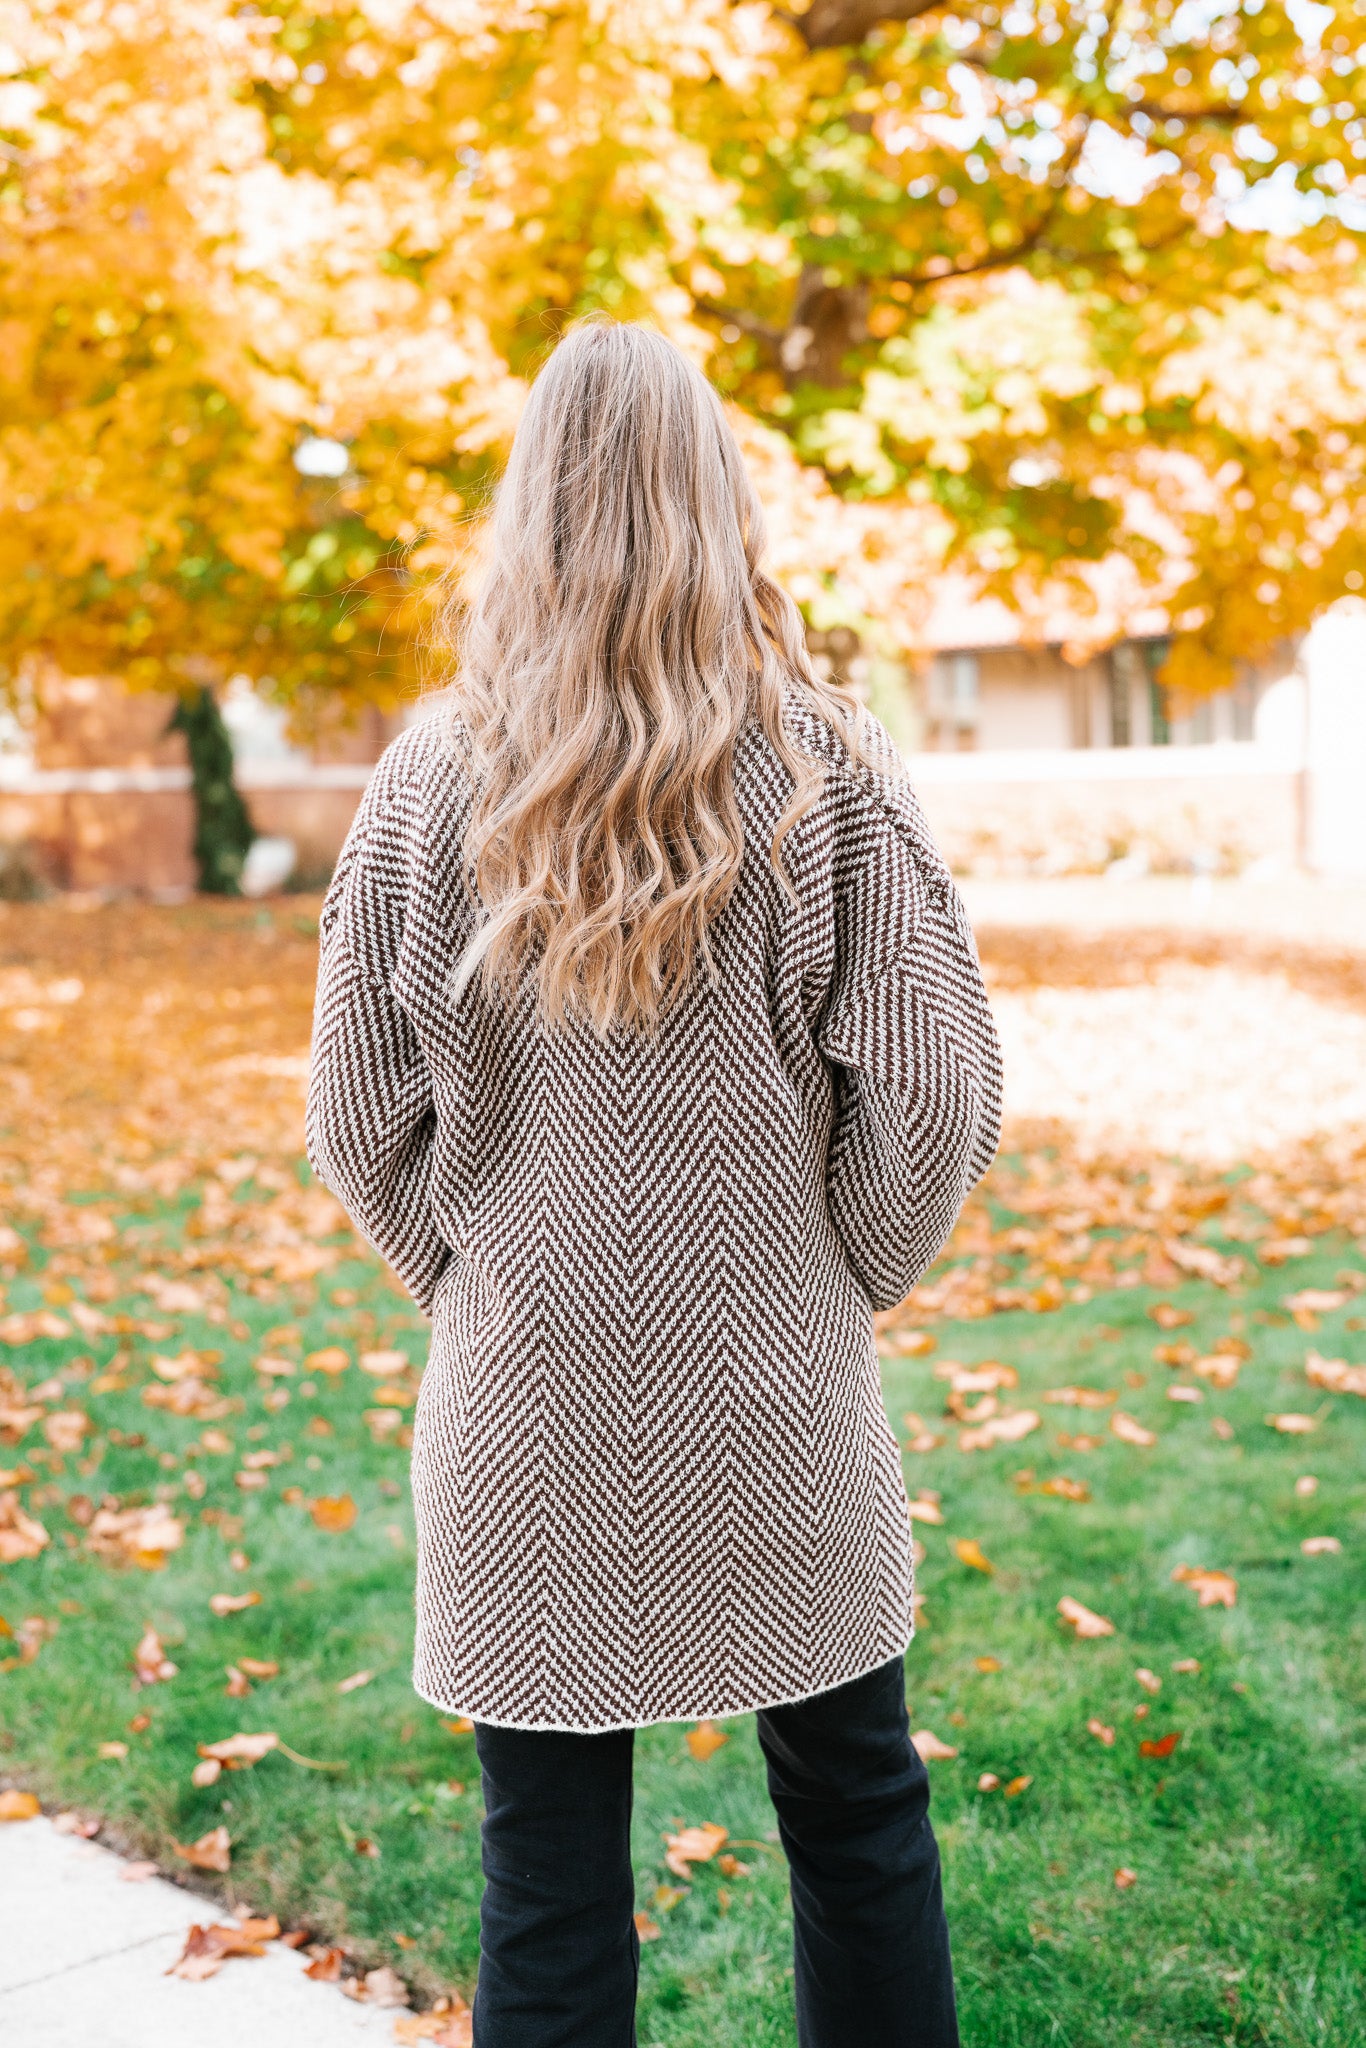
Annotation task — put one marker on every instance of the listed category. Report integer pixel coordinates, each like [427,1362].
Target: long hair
[623,637]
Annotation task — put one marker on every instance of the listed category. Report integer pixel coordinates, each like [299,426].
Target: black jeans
[559,1953]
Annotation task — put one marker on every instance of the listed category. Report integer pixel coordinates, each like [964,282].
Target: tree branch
[834,24]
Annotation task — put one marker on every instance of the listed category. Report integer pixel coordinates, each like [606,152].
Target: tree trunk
[827,322]
[223,832]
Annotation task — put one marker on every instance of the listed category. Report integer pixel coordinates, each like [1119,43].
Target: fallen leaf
[112,1752]
[1186,1664]
[1293,1425]
[704,1740]
[137,1873]
[969,1551]
[1002,1429]
[1080,1443]
[331,1359]
[334,1512]
[1191,1394]
[327,1967]
[1316,1301]
[365,1845]
[383,1364]
[1101,1732]
[1220,1369]
[1321,1546]
[244,1749]
[450,2024]
[987,1664]
[151,1665]
[929,1748]
[66,1430]
[72,1823]
[139,1724]
[28,1325]
[646,1928]
[921,1439]
[692,1845]
[1081,1397]
[207,1772]
[1017,1786]
[1168,1317]
[987,1378]
[355,1681]
[462,1726]
[731,1866]
[1176,1355]
[141,1536]
[1066,1489]
[1130,1431]
[377,1987]
[1306,1485]
[1149,1680]
[1215,1589]
[20,1535]
[988,1782]
[208,1948]
[1335,1374]
[1082,1619]
[1222,1428]
[925,1511]
[19,1806]
[232,1603]
[212,1851]
[1162,1747]
[907,1343]
[1125,1878]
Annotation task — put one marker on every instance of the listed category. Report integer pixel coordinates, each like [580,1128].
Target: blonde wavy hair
[622,638]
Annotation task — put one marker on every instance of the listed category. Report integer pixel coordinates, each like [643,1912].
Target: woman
[651,1051]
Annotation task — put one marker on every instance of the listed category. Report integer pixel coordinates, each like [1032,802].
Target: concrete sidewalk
[83,1957]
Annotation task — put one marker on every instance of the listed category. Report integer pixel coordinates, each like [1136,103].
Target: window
[954,705]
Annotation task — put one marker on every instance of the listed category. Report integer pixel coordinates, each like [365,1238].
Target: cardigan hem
[792,1699]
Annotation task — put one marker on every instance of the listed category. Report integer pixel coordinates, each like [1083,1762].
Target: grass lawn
[1248,1843]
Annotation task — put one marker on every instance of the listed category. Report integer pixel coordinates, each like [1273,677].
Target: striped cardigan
[653,1474]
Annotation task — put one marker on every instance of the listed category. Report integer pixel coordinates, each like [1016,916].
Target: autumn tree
[1020,289]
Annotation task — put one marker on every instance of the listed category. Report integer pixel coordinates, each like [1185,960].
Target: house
[1033,752]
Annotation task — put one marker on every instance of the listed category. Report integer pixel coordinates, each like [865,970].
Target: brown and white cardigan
[653,1474]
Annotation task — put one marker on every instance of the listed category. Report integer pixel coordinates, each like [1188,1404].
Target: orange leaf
[334,1512]
[692,1845]
[1082,1619]
[969,1551]
[212,1851]
[1101,1732]
[1215,1589]
[1124,1878]
[705,1739]
[19,1806]
[929,1748]
[1163,1746]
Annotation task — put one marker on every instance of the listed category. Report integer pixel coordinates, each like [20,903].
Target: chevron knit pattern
[653,1474]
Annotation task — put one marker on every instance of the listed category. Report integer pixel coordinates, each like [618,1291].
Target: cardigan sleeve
[371,1126]
[915,1053]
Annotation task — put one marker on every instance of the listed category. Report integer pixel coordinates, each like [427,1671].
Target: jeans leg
[557,1938]
[852,1798]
